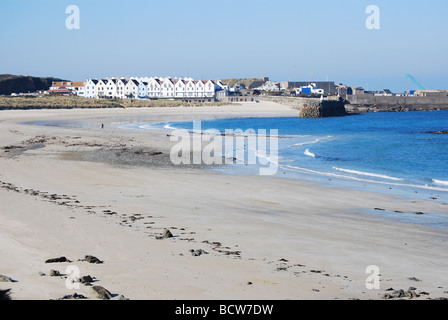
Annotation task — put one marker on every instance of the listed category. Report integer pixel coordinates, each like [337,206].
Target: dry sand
[264,238]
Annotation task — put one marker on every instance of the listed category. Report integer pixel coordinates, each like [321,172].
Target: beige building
[431,93]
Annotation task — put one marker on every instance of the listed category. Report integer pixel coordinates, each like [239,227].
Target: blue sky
[204,39]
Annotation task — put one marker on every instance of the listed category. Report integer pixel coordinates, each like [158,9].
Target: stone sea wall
[312,107]
[369,103]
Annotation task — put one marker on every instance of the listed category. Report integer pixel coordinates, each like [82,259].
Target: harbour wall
[369,103]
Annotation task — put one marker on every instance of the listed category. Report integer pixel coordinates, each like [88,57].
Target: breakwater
[369,103]
[312,107]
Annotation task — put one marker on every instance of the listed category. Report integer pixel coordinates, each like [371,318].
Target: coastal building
[91,88]
[143,90]
[310,89]
[111,88]
[156,88]
[121,85]
[209,88]
[167,89]
[75,88]
[180,88]
[190,89]
[344,90]
[131,89]
[101,88]
[329,87]
[269,86]
[431,93]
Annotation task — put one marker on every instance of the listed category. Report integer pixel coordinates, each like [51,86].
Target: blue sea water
[393,150]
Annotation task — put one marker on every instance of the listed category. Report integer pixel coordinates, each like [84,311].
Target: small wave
[309,153]
[168,126]
[334,175]
[369,174]
[440,182]
[310,142]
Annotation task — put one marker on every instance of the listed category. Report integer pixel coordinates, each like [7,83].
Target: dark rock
[166,234]
[397,294]
[74,296]
[57,260]
[101,293]
[198,252]
[414,279]
[87,280]
[54,273]
[4,295]
[5,279]
[92,259]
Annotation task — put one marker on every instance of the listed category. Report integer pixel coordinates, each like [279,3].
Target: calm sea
[380,150]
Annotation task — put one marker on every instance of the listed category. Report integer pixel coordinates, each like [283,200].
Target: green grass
[54,102]
[65,102]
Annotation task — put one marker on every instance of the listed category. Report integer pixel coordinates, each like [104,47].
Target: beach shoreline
[262,238]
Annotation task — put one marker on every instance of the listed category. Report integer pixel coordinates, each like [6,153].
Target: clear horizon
[288,41]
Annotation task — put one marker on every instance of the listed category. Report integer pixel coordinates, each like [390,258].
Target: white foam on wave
[309,153]
[440,182]
[310,142]
[369,174]
[335,175]
[168,126]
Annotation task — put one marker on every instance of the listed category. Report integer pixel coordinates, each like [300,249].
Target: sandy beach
[109,193]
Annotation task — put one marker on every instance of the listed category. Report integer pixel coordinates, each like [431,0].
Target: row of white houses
[146,88]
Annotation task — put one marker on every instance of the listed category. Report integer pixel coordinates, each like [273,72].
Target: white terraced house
[121,85]
[154,88]
[131,89]
[180,88]
[111,88]
[190,89]
[91,88]
[168,89]
[101,88]
[200,89]
[209,88]
[143,90]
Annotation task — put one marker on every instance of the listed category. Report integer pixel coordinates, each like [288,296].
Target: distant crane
[415,81]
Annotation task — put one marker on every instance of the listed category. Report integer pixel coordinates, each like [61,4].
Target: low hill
[246,81]
[24,84]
